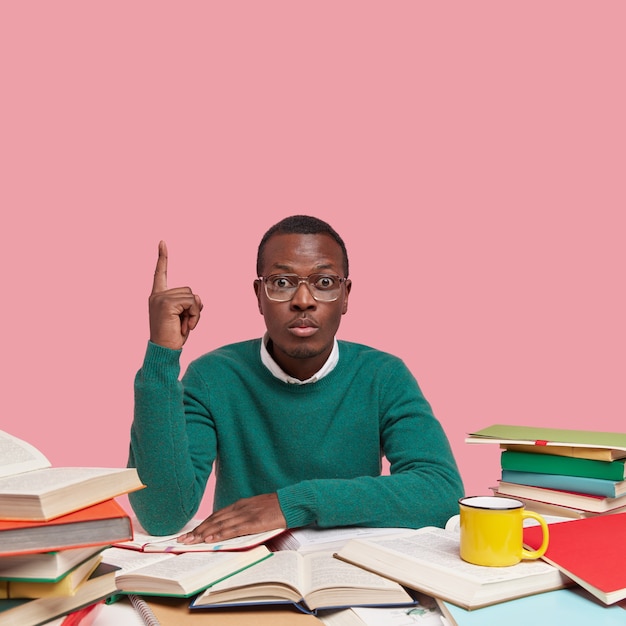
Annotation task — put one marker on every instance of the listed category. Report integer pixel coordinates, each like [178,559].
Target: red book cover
[85,527]
[591,551]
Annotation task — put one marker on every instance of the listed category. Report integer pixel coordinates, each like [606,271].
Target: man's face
[302,330]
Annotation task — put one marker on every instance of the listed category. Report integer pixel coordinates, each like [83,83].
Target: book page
[323,571]
[38,482]
[177,567]
[281,567]
[440,550]
[129,560]
[17,456]
[141,539]
[406,616]
[168,543]
[311,537]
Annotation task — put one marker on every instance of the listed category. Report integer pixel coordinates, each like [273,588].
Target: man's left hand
[245,517]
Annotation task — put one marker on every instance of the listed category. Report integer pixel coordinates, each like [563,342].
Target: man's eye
[281,282]
[324,282]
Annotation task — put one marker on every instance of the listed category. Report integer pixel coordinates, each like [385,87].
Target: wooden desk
[174,612]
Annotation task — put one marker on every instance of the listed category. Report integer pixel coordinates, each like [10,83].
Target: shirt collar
[279,373]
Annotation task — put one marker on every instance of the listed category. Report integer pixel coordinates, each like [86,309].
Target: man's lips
[303,327]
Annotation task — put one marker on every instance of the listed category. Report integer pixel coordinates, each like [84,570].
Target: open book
[312,539]
[428,560]
[30,489]
[308,581]
[144,542]
[165,574]
[427,611]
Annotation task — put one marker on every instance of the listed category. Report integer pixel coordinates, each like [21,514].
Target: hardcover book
[548,509]
[66,586]
[30,489]
[582,501]
[307,581]
[44,566]
[614,444]
[98,525]
[506,434]
[100,585]
[428,560]
[182,575]
[591,551]
[568,466]
[580,452]
[577,484]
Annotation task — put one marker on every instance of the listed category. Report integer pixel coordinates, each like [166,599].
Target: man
[295,422]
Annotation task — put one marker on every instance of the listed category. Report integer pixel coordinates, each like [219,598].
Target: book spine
[577,484]
[567,466]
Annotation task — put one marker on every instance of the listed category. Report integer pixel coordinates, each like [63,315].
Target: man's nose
[303,298]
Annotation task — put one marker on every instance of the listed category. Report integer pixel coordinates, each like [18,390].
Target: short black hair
[301,225]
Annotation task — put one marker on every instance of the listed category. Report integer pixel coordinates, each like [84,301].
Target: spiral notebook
[143,610]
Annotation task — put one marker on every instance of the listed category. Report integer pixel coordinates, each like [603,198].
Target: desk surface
[174,612]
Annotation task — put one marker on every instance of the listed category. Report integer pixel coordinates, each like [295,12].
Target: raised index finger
[160,273]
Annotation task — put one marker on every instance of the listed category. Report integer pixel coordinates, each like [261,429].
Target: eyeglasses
[283,287]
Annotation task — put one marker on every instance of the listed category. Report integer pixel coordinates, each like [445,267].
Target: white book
[31,489]
[144,542]
[428,560]
[181,575]
[308,581]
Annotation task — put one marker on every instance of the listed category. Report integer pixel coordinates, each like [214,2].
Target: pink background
[471,154]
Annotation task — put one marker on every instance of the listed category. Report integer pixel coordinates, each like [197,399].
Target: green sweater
[318,445]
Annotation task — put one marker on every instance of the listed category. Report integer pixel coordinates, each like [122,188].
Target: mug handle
[535,554]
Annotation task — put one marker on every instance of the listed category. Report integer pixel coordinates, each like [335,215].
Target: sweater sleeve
[172,448]
[424,484]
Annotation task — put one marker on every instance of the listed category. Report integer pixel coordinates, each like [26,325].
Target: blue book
[571,607]
[578,484]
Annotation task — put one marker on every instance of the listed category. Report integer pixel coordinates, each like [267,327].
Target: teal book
[568,466]
[571,607]
[577,484]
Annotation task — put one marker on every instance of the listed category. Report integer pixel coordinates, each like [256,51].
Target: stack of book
[583,566]
[55,522]
[566,473]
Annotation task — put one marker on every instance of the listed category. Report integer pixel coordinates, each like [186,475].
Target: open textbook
[303,540]
[312,539]
[31,489]
[167,574]
[308,581]
[144,542]
[428,560]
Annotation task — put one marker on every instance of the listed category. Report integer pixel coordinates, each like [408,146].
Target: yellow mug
[492,531]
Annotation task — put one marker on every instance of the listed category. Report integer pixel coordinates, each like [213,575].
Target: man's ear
[258,289]
[348,287]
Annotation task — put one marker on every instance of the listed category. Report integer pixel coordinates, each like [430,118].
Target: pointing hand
[174,313]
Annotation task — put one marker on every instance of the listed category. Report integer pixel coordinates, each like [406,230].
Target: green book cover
[569,466]
[553,436]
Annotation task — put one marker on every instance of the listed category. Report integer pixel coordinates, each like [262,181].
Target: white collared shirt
[277,371]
